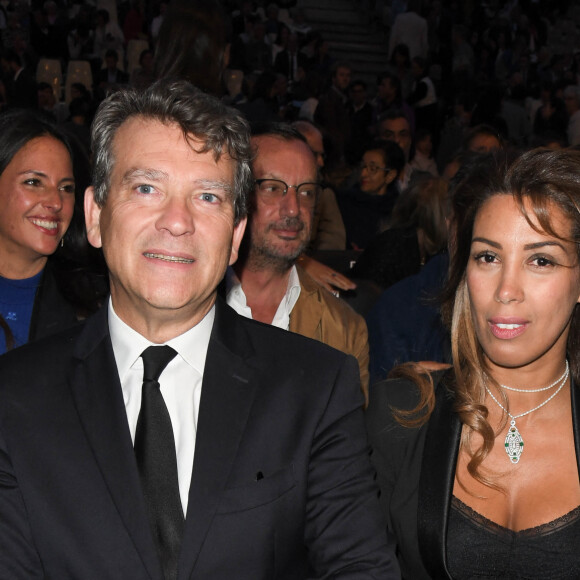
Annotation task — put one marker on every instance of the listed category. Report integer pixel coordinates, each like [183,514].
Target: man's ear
[92,218]
[237,239]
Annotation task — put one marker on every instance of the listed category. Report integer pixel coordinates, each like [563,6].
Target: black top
[389,257]
[480,548]
[364,214]
[416,473]
[52,312]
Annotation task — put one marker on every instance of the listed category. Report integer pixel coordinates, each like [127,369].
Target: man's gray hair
[221,130]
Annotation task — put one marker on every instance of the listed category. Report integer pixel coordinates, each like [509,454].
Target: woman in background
[479,465]
[417,231]
[37,196]
[366,209]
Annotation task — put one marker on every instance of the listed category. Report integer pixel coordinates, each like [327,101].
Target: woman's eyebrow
[542,244]
[532,246]
[489,242]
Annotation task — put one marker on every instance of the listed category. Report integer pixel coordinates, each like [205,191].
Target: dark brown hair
[539,179]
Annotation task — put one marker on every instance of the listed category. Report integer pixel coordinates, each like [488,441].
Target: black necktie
[157,462]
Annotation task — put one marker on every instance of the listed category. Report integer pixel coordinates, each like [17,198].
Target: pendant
[514,443]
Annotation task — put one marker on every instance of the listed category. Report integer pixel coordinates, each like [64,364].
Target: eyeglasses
[271,191]
[372,168]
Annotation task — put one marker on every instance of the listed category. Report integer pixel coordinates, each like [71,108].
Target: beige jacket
[320,315]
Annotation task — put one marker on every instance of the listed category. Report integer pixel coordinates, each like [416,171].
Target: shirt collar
[236,297]
[292,290]
[128,344]
[234,287]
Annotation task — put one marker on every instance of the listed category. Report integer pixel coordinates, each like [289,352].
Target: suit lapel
[228,389]
[436,482]
[98,396]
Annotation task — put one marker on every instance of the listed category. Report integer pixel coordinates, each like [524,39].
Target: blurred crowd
[458,78]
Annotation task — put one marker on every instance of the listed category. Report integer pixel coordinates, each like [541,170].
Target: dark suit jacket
[282,63]
[332,114]
[51,312]
[21,92]
[102,77]
[281,484]
[416,472]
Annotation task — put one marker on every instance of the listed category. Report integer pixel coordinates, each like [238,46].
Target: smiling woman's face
[523,285]
[37,193]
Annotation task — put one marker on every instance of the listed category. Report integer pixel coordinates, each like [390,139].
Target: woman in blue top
[37,197]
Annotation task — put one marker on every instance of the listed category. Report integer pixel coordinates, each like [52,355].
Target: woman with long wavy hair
[479,464]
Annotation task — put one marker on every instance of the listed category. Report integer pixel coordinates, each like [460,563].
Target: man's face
[280,232]
[358,95]
[341,78]
[167,228]
[397,130]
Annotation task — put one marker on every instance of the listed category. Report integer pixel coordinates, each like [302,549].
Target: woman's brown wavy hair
[543,179]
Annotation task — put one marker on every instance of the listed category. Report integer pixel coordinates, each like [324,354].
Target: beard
[265,254]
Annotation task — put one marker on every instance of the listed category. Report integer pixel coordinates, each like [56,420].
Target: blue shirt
[16,304]
[405,323]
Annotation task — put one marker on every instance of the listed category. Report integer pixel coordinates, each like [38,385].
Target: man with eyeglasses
[394,126]
[265,283]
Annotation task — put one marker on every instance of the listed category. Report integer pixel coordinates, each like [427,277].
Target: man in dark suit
[110,78]
[243,455]
[290,60]
[332,113]
[19,82]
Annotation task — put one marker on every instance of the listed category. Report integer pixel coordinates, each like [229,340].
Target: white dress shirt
[236,298]
[180,384]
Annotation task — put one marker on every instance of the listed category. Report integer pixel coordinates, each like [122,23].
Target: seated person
[393,125]
[467,457]
[366,209]
[265,284]
[405,322]
[328,231]
[423,158]
[417,231]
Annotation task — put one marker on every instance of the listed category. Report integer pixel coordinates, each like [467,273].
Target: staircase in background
[353,33]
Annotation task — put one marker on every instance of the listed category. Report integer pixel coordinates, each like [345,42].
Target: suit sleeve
[19,559]
[345,531]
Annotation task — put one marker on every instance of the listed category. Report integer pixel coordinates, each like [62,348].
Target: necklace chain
[514,442]
[562,379]
[538,390]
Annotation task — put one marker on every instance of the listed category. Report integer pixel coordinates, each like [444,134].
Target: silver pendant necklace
[514,442]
